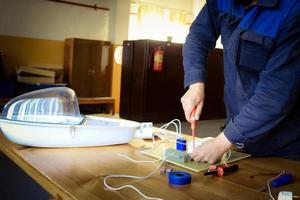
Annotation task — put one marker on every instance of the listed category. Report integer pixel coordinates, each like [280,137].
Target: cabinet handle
[90,72]
[93,72]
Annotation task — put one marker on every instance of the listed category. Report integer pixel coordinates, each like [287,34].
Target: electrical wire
[163,136]
[138,161]
[160,135]
[133,177]
[164,127]
[177,126]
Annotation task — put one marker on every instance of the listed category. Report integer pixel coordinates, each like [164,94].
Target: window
[148,21]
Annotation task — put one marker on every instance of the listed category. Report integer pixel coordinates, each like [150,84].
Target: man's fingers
[198,110]
[187,113]
[193,98]
[188,109]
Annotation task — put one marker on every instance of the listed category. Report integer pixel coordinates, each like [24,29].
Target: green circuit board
[168,152]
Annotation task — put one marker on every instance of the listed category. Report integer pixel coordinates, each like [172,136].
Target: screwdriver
[193,126]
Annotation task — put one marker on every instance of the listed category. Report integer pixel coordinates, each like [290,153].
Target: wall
[33,31]
[120,22]
[185,5]
[39,28]
[23,51]
[118,32]
[53,21]
[197,6]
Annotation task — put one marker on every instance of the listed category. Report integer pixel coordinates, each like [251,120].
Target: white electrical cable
[133,177]
[179,124]
[164,136]
[164,127]
[168,124]
[138,161]
[178,127]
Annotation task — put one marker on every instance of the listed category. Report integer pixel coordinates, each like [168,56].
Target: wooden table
[109,102]
[78,173]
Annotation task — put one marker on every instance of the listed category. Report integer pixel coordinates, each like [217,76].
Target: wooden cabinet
[148,95]
[88,67]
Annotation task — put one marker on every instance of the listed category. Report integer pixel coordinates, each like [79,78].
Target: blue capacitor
[181,144]
[282,180]
[180,178]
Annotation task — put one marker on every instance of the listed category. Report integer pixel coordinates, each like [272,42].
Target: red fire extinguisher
[158,59]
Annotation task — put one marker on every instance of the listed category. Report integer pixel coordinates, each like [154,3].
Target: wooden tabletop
[78,173]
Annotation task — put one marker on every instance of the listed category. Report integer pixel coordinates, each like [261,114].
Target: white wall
[185,5]
[197,6]
[119,21]
[56,21]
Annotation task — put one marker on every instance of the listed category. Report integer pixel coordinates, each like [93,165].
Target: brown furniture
[108,102]
[87,67]
[148,95]
[78,173]
[214,87]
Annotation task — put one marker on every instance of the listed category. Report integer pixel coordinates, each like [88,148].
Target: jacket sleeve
[277,90]
[201,39]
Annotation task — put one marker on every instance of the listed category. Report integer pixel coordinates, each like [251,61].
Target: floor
[16,185]
[203,129]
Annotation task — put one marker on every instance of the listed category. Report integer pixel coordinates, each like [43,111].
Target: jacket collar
[267,3]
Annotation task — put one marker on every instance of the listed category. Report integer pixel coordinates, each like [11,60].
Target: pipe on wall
[80,4]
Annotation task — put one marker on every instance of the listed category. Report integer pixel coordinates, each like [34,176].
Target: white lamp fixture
[118,55]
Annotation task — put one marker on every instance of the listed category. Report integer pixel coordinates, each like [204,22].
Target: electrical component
[165,170]
[282,179]
[181,144]
[177,156]
[145,131]
[285,195]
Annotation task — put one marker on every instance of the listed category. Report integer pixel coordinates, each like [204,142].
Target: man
[261,42]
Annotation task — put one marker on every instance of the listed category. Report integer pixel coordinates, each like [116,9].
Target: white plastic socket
[145,131]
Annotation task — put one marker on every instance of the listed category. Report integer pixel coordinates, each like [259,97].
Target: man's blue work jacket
[261,68]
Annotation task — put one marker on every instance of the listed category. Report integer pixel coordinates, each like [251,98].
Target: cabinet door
[101,69]
[165,87]
[81,70]
[213,105]
[126,79]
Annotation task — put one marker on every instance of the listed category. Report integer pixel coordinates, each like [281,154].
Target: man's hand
[211,150]
[193,98]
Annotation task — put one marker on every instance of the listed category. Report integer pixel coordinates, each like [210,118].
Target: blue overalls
[261,68]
